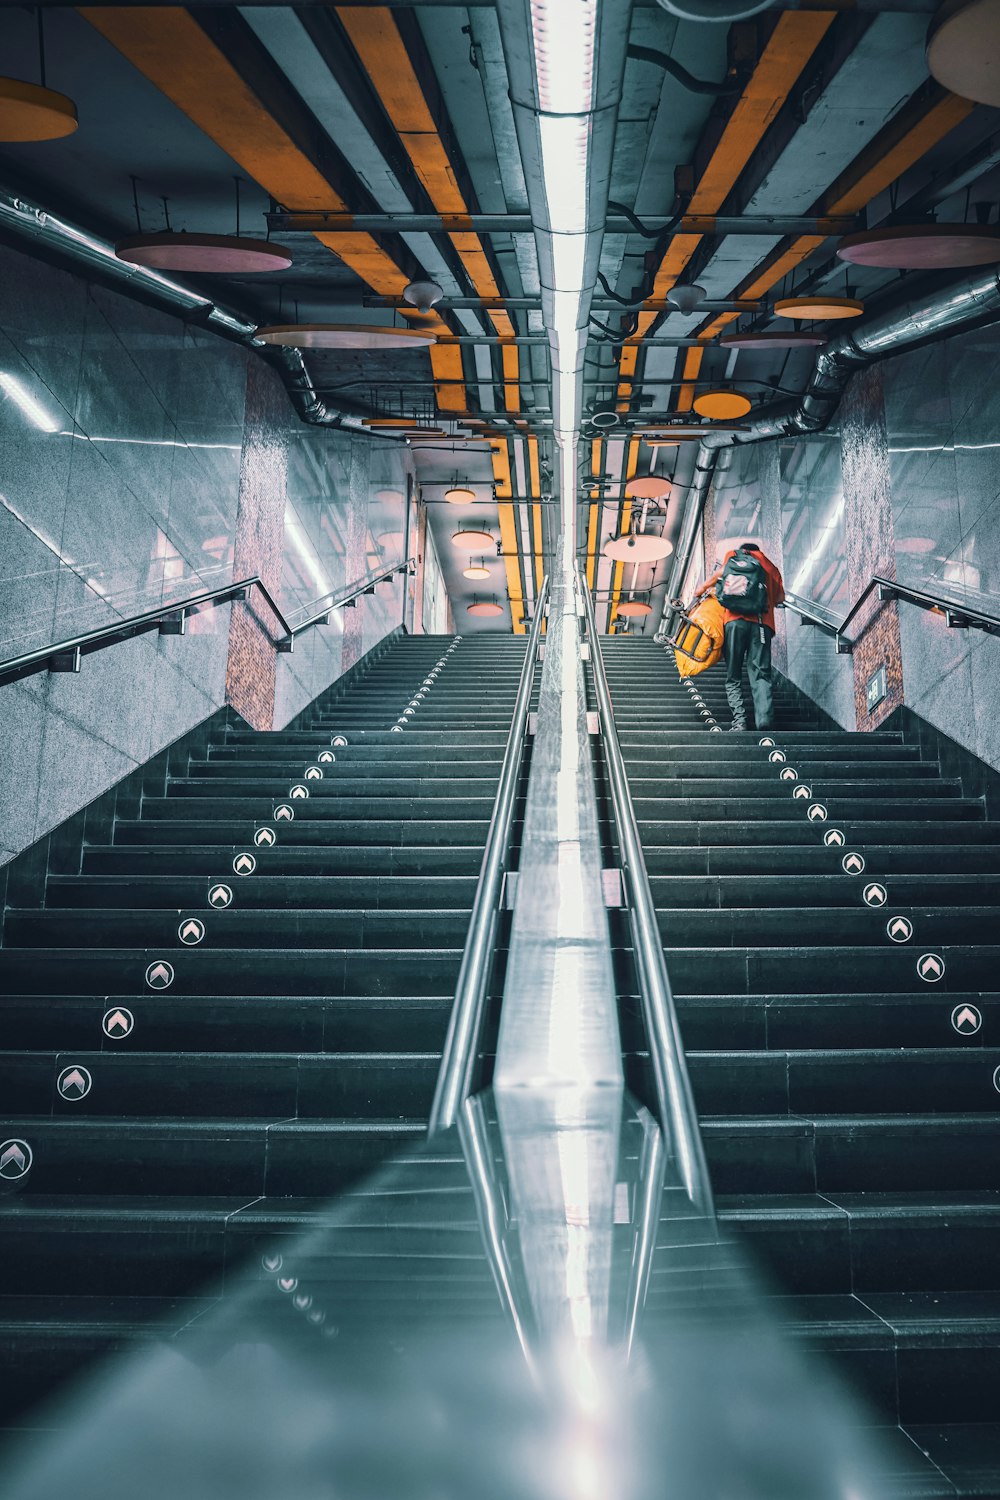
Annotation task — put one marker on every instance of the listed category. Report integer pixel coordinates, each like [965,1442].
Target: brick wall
[869,540]
[260,520]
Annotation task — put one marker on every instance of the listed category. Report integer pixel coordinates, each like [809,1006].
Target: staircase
[237,1007]
[828,906]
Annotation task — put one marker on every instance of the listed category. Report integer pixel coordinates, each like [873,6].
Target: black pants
[746,640]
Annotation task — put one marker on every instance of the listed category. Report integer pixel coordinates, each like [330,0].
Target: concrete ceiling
[403,111]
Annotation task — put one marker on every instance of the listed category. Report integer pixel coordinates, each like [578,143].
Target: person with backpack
[749,587]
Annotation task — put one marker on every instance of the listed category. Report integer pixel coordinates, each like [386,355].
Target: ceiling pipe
[963,304]
[29,226]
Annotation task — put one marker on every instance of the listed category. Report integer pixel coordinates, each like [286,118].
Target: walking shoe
[736,728]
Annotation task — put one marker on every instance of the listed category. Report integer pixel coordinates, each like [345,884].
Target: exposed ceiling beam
[286,221]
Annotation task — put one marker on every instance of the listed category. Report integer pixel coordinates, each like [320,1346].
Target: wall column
[869,540]
[257,546]
[769,534]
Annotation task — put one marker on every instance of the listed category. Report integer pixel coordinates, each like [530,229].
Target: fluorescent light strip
[22,398]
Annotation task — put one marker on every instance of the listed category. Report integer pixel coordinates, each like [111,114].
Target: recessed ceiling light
[205,254]
[344,336]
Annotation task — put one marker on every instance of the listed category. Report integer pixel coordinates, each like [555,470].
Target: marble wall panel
[158,462]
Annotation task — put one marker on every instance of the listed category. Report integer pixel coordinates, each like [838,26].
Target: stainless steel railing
[462,1042]
[675,1100]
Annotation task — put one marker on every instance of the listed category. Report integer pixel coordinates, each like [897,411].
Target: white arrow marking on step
[271,1263]
[966,1019]
[835,836]
[299,792]
[74,1083]
[316,1316]
[900,929]
[117,1023]
[287,1283]
[327,757]
[776,756]
[875,894]
[220,895]
[851,864]
[767,740]
[817,813]
[15,1159]
[996,1079]
[283,813]
[302,1301]
[930,966]
[191,931]
[244,864]
[803,793]
[264,837]
[160,975]
[789,774]
[338,741]
[313,773]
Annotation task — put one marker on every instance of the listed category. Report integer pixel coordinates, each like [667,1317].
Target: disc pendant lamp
[963,49]
[32,111]
[484,607]
[648,487]
[633,608]
[638,547]
[459,494]
[725,404]
[29,112]
[204,254]
[818,308]
[343,336]
[792,338]
[476,569]
[923,247]
[472,540]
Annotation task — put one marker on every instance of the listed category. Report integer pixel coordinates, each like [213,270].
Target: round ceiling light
[818,307]
[476,570]
[725,404]
[31,113]
[388,497]
[485,607]
[638,547]
[344,336]
[792,339]
[207,254]
[923,247]
[632,607]
[472,541]
[649,487]
[458,494]
[686,298]
[963,49]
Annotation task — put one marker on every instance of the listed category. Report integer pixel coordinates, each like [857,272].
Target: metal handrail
[675,1099]
[454,1081]
[959,616]
[345,601]
[171,619]
[810,613]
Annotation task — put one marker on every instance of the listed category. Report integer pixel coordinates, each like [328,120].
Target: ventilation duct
[28,226]
[963,304]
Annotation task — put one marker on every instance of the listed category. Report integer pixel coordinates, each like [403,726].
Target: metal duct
[27,224]
[917,320]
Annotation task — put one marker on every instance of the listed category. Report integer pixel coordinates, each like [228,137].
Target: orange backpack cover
[707,648]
